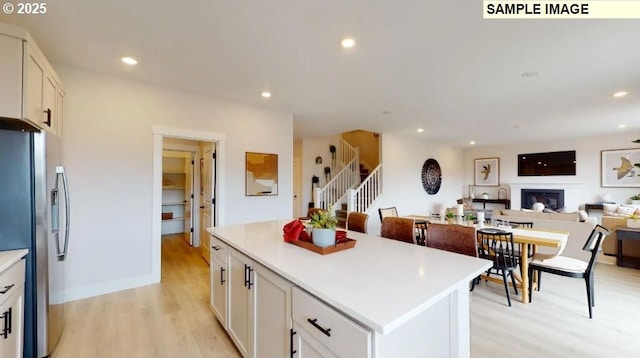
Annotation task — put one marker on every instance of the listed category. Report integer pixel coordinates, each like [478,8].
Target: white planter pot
[324,237]
[635,202]
[633,223]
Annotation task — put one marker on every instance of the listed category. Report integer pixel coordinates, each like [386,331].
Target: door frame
[159,132]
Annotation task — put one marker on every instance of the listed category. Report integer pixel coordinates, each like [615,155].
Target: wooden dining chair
[498,247]
[357,221]
[401,229]
[570,267]
[384,212]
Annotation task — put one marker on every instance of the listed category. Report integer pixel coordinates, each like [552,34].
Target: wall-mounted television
[548,163]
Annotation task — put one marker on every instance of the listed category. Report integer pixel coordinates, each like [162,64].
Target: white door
[188,199]
[207,208]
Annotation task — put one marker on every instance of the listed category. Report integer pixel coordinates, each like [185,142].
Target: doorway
[216,140]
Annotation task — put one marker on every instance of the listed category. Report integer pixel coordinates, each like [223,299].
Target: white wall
[108,146]
[312,148]
[582,188]
[402,160]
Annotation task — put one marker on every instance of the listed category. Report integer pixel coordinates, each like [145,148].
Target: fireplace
[551,198]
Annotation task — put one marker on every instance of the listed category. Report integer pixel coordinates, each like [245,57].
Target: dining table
[525,237]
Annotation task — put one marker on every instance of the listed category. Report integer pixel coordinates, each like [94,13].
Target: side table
[627,233]
[588,207]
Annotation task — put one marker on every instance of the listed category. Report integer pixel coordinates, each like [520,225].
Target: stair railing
[347,178]
[364,196]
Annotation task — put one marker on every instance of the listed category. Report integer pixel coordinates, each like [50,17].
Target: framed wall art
[261,174]
[620,168]
[486,171]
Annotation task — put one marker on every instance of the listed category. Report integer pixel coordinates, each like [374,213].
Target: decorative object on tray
[487,171]
[620,168]
[324,228]
[431,176]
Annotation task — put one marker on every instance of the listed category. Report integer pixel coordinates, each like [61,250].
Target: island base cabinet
[11,310]
[334,331]
[305,346]
[219,292]
[259,304]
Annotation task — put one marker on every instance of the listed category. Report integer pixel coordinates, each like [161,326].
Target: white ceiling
[432,64]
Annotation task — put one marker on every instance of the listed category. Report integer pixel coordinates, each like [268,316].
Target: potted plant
[324,228]
[633,221]
[450,216]
[635,199]
[470,219]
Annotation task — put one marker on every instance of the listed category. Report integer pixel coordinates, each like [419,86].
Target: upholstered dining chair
[454,238]
[401,229]
[357,221]
[570,267]
[384,212]
[498,247]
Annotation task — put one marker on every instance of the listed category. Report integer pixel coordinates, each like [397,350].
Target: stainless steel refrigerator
[34,214]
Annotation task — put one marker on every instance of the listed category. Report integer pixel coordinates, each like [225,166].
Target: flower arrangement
[322,219]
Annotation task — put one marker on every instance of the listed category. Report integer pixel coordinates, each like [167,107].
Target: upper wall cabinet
[29,88]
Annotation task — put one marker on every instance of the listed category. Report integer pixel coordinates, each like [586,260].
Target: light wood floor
[172,319]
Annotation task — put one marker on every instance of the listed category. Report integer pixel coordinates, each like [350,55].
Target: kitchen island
[383,298]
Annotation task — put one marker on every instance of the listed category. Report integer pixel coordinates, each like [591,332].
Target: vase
[324,237]
[485,196]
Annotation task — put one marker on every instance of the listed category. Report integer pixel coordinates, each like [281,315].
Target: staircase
[364,173]
[341,215]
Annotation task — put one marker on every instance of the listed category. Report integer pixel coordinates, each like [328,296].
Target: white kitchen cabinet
[219,280]
[29,88]
[12,310]
[259,301]
[305,346]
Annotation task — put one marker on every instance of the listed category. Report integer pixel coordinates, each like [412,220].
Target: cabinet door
[272,314]
[219,279]
[59,107]
[305,346]
[49,111]
[239,301]
[33,87]
[11,321]
[10,77]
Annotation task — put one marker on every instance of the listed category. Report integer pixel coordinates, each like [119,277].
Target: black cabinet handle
[48,121]
[6,316]
[217,248]
[291,334]
[10,318]
[7,288]
[326,331]
[246,269]
[250,281]
[222,270]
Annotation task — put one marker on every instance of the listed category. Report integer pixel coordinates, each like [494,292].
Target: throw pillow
[582,215]
[626,210]
[539,207]
[609,209]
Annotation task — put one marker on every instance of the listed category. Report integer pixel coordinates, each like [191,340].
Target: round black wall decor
[431,176]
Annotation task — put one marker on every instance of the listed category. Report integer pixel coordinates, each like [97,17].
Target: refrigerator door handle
[61,172]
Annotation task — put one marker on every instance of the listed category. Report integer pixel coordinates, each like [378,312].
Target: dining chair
[384,212]
[357,221]
[498,247]
[401,229]
[453,238]
[570,267]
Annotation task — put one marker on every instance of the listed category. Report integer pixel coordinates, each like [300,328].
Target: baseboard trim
[103,288]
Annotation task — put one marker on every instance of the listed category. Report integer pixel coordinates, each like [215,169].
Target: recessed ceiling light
[622,126]
[530,73]
[420,130]
[347,42]
[472,142]
[129,61]
[266,94]
[620,94]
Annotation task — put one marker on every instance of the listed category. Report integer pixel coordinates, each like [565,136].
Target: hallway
[171,319]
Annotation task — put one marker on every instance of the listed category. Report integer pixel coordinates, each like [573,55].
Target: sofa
[614,215]
[578,230]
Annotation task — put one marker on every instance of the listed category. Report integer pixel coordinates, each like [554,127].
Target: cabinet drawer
[338,333]
[11,280]
[219,249]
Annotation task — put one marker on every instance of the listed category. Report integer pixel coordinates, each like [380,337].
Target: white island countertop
[381,283]
[10,257]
